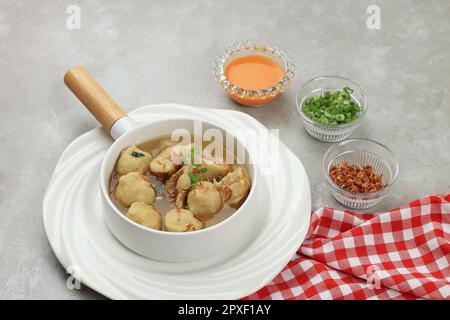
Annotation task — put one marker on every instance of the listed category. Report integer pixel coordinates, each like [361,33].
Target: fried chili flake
[355,179]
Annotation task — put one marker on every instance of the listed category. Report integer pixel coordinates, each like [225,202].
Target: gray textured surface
[162,51]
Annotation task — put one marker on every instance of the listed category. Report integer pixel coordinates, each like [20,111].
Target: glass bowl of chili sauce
[253,73]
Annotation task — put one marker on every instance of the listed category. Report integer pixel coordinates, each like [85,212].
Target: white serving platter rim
[103,264]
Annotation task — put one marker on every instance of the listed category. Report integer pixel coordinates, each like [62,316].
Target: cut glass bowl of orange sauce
[253,73]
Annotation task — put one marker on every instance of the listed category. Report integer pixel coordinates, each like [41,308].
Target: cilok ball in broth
[169,160]
[204,200]
[133,159]
[234,188]
[182,220]
[145,215]
[134,187]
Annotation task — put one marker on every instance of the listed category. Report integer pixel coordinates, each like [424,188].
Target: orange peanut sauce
[253,72]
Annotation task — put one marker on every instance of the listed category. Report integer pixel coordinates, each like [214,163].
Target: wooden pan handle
[94,98]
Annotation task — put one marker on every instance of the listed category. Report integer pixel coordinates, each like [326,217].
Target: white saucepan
[230,235]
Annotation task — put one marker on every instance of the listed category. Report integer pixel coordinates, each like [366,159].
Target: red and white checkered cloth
[400,254]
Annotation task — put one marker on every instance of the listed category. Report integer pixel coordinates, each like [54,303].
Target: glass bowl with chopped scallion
[331,107]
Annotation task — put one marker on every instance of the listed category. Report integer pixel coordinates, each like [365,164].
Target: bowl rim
[299,103]
[278,55]
[105,188]
[367,194]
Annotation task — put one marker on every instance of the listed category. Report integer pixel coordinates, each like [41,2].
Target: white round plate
[73,218]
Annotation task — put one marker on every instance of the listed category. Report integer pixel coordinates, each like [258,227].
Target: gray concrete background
[162,51]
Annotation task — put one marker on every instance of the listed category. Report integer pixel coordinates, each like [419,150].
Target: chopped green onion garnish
[137,154]
[194,178]
[332,108]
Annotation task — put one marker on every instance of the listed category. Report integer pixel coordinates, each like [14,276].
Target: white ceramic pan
[230,235]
